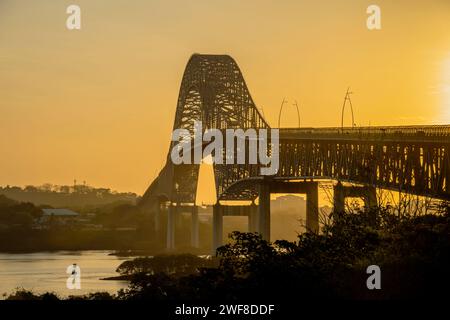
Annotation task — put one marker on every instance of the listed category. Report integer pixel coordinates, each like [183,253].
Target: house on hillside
[58,216]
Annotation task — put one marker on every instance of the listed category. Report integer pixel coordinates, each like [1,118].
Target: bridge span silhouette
[407,159]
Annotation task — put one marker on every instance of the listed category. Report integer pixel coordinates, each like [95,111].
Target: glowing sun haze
[445,91]
[98,104]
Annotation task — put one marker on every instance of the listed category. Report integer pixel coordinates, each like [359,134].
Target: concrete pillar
[194,227]
[339,198]
[171,213]
[253,218]
[179,216]
[217,227]
[312,208]
[371,203]
[370,198]
[263,224]
[157,218]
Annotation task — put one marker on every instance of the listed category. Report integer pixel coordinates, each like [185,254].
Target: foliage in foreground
[22,294]
[413,253]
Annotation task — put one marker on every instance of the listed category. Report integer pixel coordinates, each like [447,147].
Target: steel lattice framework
[412,159]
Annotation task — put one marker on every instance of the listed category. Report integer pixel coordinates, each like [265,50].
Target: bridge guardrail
[439,133]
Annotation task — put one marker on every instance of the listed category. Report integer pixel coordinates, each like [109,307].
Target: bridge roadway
[412,159]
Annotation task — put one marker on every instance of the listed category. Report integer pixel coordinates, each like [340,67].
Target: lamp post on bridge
[347,97]
[295,104]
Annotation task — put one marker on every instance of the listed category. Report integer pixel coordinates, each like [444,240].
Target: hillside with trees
[78,197]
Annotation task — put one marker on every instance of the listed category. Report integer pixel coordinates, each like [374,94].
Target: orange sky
[98,104]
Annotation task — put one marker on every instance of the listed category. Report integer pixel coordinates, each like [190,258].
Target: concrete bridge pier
[367,193]
[194,227]
[217,226]
[370,199]
[265,188]
[339,197]
[253,218]
[312,207]
[259,215]
[157,218]
[263,211]
[171,216]
[179,216]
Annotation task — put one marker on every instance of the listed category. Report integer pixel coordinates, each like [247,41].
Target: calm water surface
[46,272]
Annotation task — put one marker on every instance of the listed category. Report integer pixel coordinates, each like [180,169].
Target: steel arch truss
[213,91]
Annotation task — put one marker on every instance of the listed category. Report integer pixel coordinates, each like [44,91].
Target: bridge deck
[436,133]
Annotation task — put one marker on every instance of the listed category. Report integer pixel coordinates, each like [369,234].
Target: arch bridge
[409,159]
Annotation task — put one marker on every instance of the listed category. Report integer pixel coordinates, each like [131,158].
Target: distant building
[60,213]
[61,216]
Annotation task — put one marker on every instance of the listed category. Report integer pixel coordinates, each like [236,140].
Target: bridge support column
[339,198]
[171,214]
[194,227]
[217,227]
[253,218]
[371,203]
[157,218]
[367,193]
[179,216]
[370,199]
[263,222]
[312,207]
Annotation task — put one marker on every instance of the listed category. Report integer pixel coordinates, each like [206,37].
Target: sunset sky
[98,104]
